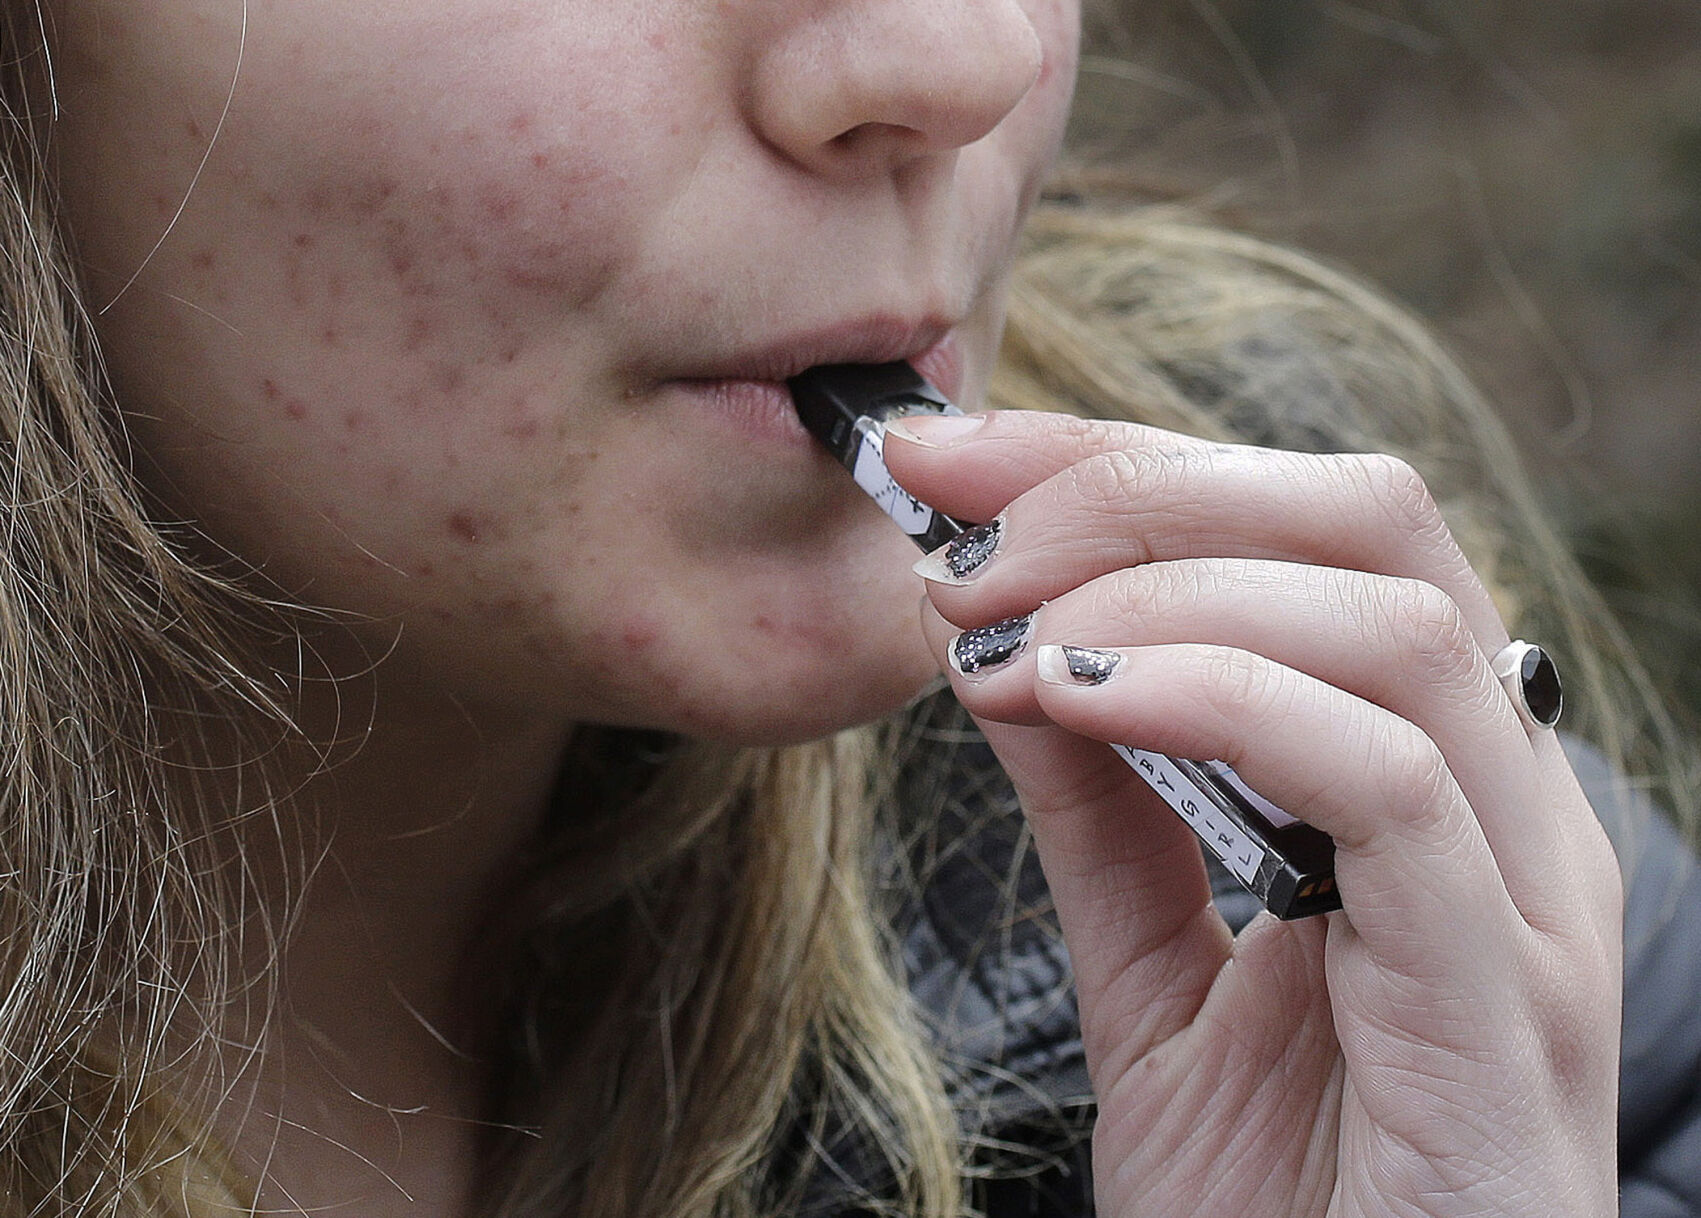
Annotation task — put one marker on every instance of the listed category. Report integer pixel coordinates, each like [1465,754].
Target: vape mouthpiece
[847,407]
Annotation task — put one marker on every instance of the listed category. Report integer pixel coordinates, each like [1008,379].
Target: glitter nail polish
[990,646]
[1089,665]
[969,551]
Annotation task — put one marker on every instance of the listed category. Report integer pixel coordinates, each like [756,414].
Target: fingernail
[935,430]
[1076,665]
[975,651]
[958,559]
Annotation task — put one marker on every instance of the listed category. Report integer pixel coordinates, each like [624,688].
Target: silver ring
[1531,680]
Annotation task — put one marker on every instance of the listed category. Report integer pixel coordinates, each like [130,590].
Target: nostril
[889,135]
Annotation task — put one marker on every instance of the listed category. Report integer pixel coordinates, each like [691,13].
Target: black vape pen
[1288,865]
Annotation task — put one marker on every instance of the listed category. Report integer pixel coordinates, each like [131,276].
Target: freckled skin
[477,268]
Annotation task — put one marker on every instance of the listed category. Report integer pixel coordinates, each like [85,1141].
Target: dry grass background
[1526,173]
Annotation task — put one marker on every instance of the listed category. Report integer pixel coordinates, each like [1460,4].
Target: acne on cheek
[467,528]
[522,426]
[806,628]
[628,648]
[293,408]
[520,617]
[461,279]
[639,634]
[501,209]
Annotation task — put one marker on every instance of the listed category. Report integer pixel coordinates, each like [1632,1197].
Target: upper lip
[868,340]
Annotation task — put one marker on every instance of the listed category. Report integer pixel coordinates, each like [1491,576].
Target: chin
[788,725]
[781,703]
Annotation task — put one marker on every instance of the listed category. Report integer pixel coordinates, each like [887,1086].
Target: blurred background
[1526,174]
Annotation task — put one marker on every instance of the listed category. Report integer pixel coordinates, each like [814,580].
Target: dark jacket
[987,964]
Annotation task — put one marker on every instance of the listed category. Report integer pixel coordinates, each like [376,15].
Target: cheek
[492,211]
[385,327]
[441,242]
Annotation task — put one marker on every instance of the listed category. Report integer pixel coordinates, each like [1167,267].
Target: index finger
[1086,497]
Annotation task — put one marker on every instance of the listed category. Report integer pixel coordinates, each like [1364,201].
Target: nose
[853,86]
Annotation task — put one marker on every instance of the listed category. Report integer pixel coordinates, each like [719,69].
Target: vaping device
[1288,865]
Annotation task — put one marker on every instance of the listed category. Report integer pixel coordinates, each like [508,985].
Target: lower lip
[764,409]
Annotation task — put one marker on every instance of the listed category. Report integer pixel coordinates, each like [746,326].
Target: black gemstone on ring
[971,548]
[990,646]
[1538,678]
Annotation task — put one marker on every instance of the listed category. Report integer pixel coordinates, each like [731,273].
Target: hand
[1448,1042]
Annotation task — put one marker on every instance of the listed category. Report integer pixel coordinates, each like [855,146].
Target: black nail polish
[970,549]
[990,646]
[1090,666]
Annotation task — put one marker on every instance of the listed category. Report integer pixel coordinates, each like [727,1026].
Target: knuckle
[1575,1000]
[1106,482]
[1115,481]
[1417,770]
[1395,485]
[1151,591]
[1090,435]
[1429,630]
[1239,685]
[1126,598]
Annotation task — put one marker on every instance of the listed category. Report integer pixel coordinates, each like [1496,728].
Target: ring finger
[1415,868]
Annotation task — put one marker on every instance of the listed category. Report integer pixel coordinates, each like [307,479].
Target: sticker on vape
[911,515]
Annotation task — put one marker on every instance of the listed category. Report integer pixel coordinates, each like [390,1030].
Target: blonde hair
[725,899]
[113,906]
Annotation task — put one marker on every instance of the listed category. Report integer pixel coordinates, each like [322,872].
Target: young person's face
[468,315]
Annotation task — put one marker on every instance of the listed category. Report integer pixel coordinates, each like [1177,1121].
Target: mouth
[749,387]
[878,340]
